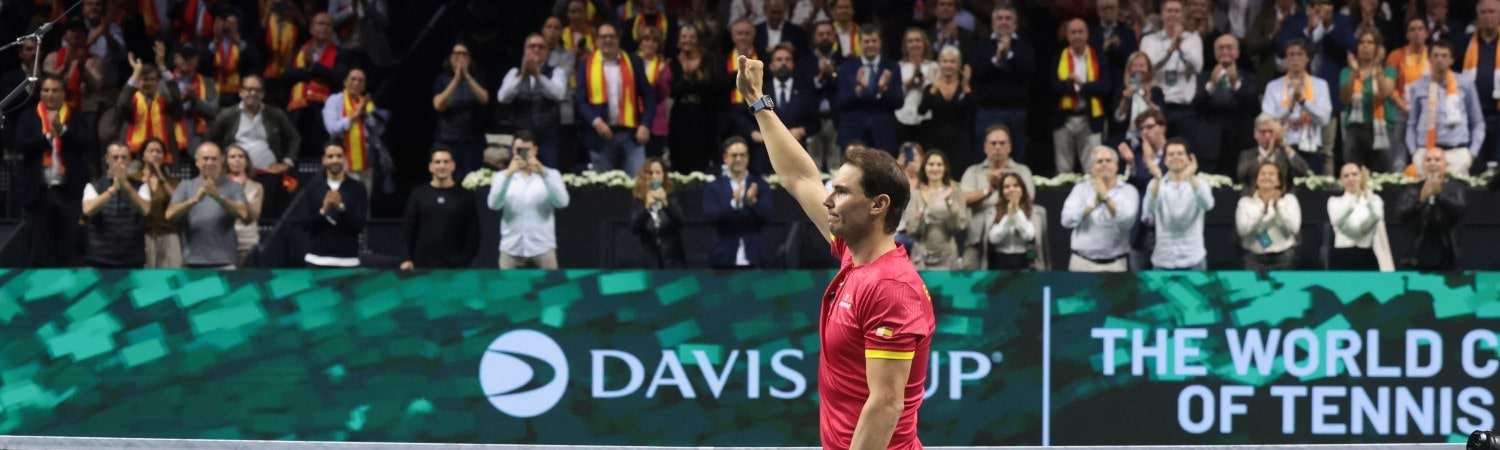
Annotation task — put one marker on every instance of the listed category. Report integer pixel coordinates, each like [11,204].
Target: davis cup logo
[523,373]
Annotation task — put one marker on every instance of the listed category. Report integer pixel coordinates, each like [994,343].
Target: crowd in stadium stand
[1146,99]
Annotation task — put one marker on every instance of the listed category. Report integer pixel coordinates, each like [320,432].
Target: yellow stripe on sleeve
[884,354]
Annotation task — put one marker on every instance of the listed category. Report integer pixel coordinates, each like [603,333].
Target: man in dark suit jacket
[1117,40]
[333,217]
[796,105]
[786,31]
[944,30]
[869,95]
[1227,102]
[282,140]
[1270,147]
[1432,210]
[1002,68]
[739,205]
[614,142]
[57,162]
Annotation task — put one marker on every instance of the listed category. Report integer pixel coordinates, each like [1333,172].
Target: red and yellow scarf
[355,139]
[310,91]
[62,116]
[281,42]
[853,40]
[1065,71]
[149,15]
[73,90]
[570,40]
[227,67]
[598,93]
[197,21]
[200,126]
[147,121]
[640,22]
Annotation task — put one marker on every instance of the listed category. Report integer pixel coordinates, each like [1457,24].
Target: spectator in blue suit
[869,95]
[739,205]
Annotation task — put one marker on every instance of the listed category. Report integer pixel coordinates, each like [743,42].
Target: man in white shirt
[1177,56]
[529,194]
[1176,204]
[1301,101]
[1101,211]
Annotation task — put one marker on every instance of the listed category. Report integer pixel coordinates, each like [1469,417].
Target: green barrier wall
[706,358]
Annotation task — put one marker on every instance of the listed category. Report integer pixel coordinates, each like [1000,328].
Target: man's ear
[881,203]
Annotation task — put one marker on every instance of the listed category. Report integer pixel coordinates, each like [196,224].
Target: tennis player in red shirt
[876,319]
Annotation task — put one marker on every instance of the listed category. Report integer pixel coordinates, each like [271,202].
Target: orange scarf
[355,139]
[598,92]
[1413,67]
[1432,106]
[1471,61]
[1308,94]
[149,120]
[62,116]
[640,21]
[200,126]
[570,42]
[1359,89]
[1065,71]
[281,42]
[312,91]
[735,97]
[227,67]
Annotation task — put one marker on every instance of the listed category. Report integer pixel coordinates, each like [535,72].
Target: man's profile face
[848,207]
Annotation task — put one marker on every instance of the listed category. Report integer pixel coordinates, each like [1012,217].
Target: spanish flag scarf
[570,40]
[853,40]
[355,140]
[149,120]
[312,91]
[150,16]
[73,90]
[281,43]
[735,97]
[200,126]
[197,21]
[598,93]
[227,67]
[640,22]
[1065,71]
[54,156]
[654,67]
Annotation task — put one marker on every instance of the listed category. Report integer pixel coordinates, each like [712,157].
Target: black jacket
[79,153]
[661,239]
[337,233]
[1434,225]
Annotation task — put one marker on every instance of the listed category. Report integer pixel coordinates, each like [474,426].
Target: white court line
[1047,366]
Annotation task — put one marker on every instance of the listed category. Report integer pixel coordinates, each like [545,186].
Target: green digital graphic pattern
[358,355]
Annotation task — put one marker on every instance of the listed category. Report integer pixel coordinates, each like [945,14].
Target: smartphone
[655,185]
[1135,79]
[524,154]
[909,151]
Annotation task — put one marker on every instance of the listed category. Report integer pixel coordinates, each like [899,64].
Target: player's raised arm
[799,175]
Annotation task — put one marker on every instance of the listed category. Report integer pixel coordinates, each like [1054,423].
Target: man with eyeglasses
[267,135]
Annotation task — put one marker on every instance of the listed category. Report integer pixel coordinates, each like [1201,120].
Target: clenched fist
[749,79]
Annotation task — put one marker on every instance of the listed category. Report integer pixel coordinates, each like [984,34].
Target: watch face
[770,102]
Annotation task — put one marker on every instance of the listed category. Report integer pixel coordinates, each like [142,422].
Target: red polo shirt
[880,310]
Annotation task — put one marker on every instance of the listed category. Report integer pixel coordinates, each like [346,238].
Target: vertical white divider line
[1047,366]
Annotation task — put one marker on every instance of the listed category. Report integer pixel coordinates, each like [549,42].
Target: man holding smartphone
[530,193]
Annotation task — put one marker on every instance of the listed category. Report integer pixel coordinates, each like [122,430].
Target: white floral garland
[619,179]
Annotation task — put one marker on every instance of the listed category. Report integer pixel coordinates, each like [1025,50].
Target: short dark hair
[187,51]
[1440,43]
[1154,114]
[880,175]
[730,142]
[48,76]
[869,28]
[1177,141]
[436,150]
[785,47]
[1299,43]
[996,127]
[522,135]
[333,143]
